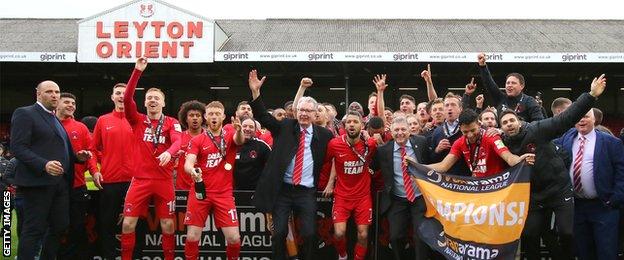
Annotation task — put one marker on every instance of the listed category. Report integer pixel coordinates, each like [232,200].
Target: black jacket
[550,178]
[384,161]
[34,142]
[528,108]
[285,135]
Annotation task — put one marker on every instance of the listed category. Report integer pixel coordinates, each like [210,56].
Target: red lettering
[104,49]
[158,25]
[140,27]
[121,29]
[179,30]
[186,46]
[169,49]
[123,49]
[138,49]
[196,29]
[99,31]
[151,49]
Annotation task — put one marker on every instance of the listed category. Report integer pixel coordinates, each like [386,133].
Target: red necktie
[407,181]
[298,171]
[578,161]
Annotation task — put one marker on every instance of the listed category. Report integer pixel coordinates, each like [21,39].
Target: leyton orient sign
[151,28]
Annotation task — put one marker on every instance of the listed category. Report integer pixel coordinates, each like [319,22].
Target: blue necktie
[61,131]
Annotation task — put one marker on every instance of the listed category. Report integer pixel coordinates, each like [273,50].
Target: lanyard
[447,130]
[155,132]
[361,157]
[517,108]
[474,154]
[221,146]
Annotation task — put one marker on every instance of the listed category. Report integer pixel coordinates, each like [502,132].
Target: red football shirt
[183,179]
[488,159]
[217,178]
[143,130]
[353,177]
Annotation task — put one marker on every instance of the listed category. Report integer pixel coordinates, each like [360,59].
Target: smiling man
[551,189]
[289,179]
[512,98]
[80,138]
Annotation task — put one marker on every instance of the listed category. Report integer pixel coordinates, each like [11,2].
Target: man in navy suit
[597,172]
[44,172]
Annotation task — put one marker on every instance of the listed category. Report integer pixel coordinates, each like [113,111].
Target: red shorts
[362,210]
[141,191]
[223,207]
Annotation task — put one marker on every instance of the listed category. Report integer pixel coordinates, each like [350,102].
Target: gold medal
[227,166]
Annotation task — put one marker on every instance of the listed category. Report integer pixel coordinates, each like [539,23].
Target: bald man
[44,172]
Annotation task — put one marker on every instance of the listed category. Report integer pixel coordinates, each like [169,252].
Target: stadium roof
[284,35]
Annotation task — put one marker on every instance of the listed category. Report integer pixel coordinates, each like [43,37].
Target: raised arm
[426,75]
[380,85]
[490,86]
[555,126]
[467,101]
[257,105]
[303,86]
[130,106]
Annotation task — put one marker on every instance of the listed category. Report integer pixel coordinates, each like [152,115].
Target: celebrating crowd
[288,155]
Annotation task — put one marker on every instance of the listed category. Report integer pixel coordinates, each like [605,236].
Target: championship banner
[474,218]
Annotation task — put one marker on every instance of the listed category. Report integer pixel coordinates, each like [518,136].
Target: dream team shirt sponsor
[152,137]
[353,176]
[217,164]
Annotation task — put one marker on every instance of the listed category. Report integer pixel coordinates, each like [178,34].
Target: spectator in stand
[80,138]
[512,98]
[111,137]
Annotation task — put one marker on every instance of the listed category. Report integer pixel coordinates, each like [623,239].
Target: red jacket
[112,138]
[80,139]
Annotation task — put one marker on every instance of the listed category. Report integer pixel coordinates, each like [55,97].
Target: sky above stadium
[338,9]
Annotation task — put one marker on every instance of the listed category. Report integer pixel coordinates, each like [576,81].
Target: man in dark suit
[597,173]
[400,199]
[290,177]
[44,172]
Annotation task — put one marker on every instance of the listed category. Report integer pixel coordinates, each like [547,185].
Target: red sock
[341,246]
[232,251]
[191,250]
[360,252]
[168,246]
[127,245]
